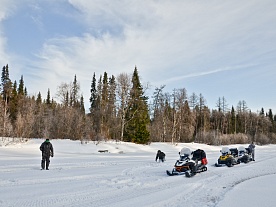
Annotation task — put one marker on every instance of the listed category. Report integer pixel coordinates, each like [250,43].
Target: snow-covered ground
[129,176]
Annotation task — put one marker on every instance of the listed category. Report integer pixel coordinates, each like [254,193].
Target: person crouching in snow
[160,156]
[47,150]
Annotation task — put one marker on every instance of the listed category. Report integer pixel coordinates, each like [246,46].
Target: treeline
[120,110]
[178,117]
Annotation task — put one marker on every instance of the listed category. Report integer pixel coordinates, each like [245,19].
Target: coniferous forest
[120,110]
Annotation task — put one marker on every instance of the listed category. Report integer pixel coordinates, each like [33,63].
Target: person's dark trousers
[45,160]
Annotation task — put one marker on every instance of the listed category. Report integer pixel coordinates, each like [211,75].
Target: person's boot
[42,164]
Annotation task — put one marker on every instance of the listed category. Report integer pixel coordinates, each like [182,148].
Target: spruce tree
[105,89]
[270,115]
[104,107]
[14,102]
[82,109]
[104,100]
[48,100]
[262,112]
[75,93]
[138,114]
[6,84]
[25,91]
[93,92]
[21,87]
[111,108]
[97,111]
[39,99]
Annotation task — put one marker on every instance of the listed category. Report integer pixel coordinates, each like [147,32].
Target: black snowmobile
[189,166]
[245,155]
[228,157]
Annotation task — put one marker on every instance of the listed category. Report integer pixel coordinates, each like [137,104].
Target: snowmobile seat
[234,152]
[199,154]
[249,151]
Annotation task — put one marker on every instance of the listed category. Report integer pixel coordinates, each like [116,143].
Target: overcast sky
[213,47]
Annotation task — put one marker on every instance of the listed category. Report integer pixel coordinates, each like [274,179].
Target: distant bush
[262,139]
[213,138]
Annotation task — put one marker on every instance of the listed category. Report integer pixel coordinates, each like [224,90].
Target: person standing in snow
[47,151]
[252,150]
[160,155]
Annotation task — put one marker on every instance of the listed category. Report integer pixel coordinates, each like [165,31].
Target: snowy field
[129,176]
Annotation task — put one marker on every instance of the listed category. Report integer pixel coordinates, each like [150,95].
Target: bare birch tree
[123,90]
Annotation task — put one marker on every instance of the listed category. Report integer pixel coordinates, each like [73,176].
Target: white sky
[216,48]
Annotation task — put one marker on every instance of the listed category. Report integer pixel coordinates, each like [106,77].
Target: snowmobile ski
[174,173]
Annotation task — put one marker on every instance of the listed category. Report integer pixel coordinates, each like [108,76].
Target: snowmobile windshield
[241,150]
[185,151]
[225,151]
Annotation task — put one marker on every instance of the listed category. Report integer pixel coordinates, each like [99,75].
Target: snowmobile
[245,155]
[189,166]
[229,157]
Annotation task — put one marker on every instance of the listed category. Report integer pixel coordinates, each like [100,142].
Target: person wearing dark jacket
[47,151]
[160,155]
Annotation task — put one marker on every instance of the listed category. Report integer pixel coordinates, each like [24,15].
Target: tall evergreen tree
[96,116]
[111,108]
[39,98]
[14,102]
[104,105]
[25,91]
[82,109]
[270,115]
[75,92]
[48,99]
[93,92]
[105,89]
[262,112]
[138,113]
[6,84]
[21,87]
[6,90]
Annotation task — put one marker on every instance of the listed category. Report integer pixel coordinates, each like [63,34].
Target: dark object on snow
[190,166]
[102,151]
[47,151]
[160,156]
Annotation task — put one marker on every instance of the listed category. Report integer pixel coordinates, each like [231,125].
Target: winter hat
[47,140]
